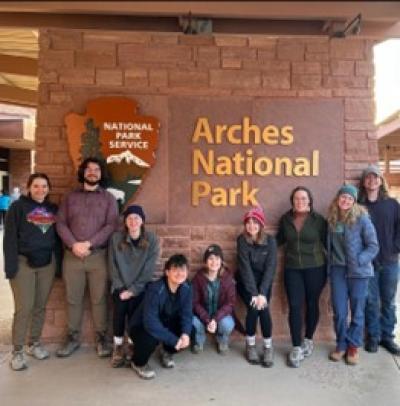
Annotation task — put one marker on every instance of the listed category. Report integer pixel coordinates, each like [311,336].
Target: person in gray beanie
[132,256]
[380,315]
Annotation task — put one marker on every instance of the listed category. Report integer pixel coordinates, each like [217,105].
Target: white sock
[267,342]
[118,340]
[130,340]
[251,340]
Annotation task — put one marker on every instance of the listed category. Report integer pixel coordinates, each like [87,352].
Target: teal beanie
[349,190]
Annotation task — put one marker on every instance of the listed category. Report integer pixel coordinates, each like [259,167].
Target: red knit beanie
[255,213]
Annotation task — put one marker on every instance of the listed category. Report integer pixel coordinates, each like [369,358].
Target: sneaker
[390,346]
[371,345]
[18,361]
[295,357]
[222,348]
[308,347]
[103,348]
[145,372]
[36,350]
[252,355]
[197,348]
[70,345]
[166,359]
[352,355]
[337,355]
[267,360]
[117,358]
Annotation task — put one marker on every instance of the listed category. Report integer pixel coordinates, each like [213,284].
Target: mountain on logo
[128,157]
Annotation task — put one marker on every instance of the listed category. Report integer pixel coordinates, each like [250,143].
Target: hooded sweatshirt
[29,231]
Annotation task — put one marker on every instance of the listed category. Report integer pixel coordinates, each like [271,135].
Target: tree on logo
[91,145]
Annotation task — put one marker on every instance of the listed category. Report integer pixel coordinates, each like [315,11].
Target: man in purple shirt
[86,219]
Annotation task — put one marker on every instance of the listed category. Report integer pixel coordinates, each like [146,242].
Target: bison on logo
[112,131]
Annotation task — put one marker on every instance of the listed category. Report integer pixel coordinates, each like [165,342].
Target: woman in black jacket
[30,243]
[256,251]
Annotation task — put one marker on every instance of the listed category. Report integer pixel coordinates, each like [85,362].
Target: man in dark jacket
[164,316]
[381,303]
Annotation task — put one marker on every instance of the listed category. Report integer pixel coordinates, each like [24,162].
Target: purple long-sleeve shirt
[87,216]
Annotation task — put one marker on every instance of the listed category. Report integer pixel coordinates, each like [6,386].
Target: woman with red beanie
[256,251]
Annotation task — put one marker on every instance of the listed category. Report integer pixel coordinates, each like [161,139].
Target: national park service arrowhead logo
[111,130]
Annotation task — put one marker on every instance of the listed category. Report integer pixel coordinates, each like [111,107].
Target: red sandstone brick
[222,233]
[265,92]
[208,56]
[192,91]
[352,93]
[95,59]
[43,132]
[196,40]
[197,233]
[356,135]
[344,82]
[347,49]
[136,76]
[45,76]
[317,57]
[277,80]
[55,59]
[117,37]
[230,41]
[239,53]
[100,46]
[231,63]
[306,81]
[173,231]
[51,116]
[66,39]
[112,77]
[158,77]
[315,93]
[290,50]
[359,109]
[372,135]
[165,39]
[319,46]
[266,54]
[261,41]
[342,68]
[270,66]
[43,94]
[234,79]
[44,40]
[188,78]
[129,54]
[364,68]
[60,97]
[82,76]
[301,68]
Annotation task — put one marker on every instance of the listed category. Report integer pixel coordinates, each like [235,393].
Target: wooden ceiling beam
[16,95]
[18,65]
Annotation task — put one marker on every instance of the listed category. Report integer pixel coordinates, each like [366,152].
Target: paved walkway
[204,379]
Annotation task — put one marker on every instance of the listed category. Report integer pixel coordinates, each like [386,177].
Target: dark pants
[303,287]
[146,344]
[253,314]
[123,310]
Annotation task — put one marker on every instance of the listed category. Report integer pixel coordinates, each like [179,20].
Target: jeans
[224,329]
[343,291]
[380,315]
[303,289]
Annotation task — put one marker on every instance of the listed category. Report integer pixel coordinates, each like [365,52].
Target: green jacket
[304,249]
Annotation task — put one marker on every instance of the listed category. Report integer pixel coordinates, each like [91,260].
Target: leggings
[123,309]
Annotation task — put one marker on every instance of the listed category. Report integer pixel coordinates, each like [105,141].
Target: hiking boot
[197,348]
[117,358]
[222,348]
[145,372]
[307,347]
[295,357]
[252,355]
[18,361]
[69,345]
[36,350]
[371,345]
[267,360]
[390,346]
[103,348]
[129,352]
[337,355]
[352,355]
[166,359]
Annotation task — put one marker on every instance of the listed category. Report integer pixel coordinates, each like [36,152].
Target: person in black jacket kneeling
[164,316]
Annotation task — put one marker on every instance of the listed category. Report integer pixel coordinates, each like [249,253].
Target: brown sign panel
[112,130]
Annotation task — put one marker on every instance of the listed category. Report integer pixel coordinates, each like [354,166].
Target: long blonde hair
[351,216]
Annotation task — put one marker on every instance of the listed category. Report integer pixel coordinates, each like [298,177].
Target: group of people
[356,247]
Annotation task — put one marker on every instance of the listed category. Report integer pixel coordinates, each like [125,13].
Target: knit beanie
[134,209]
[349,190]
[213,249]
[255,213]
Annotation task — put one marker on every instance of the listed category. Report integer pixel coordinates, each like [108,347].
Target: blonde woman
[352,245]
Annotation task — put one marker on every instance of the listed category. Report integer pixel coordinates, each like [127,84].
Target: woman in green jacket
[303,233]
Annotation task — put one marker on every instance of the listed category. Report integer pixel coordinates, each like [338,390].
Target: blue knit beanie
[349,190]
[134,209]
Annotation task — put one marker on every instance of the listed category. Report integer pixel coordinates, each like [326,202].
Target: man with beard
[86,219]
